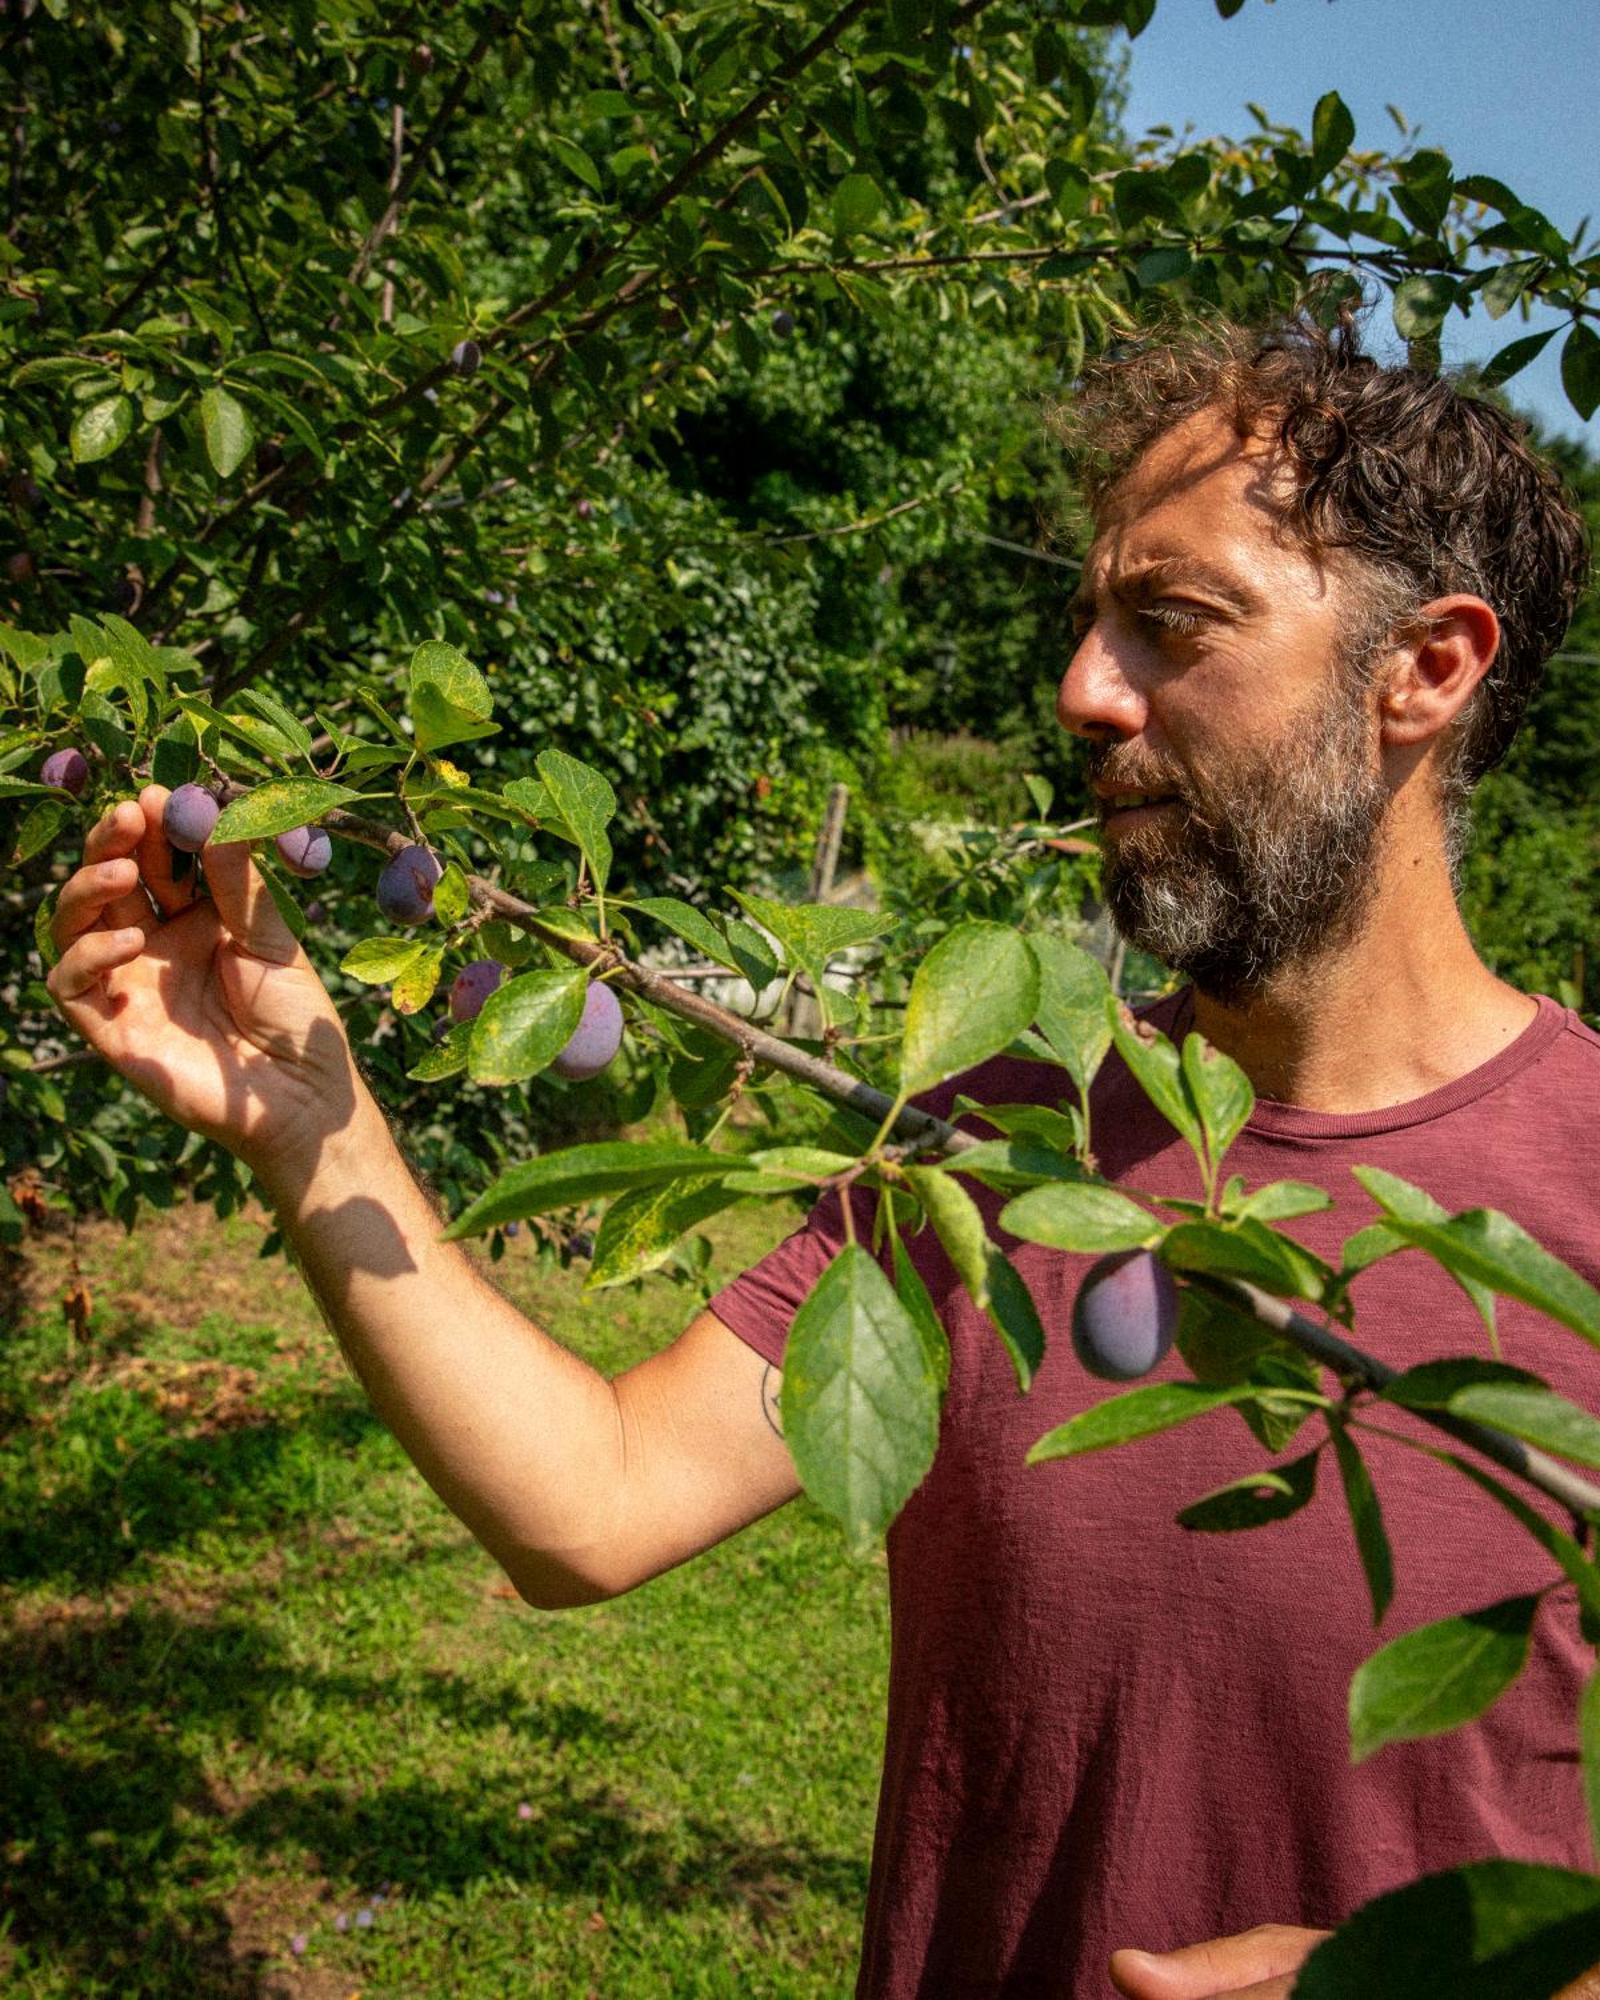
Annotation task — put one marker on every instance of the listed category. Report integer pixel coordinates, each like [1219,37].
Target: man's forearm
[519,1438]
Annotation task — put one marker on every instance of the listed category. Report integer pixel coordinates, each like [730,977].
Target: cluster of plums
[1125,1315]
[405,896]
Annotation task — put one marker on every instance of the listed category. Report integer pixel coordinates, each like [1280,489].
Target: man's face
[1220,680]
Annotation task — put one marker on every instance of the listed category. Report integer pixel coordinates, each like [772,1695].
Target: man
[1317,600]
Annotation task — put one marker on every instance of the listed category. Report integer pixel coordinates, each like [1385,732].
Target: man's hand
[1258,1964]
[206,1004]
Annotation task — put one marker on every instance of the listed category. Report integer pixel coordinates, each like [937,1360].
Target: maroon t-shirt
[1105,1730]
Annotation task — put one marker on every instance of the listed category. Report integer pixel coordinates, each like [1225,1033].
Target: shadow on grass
[109,1823]
[61,1514]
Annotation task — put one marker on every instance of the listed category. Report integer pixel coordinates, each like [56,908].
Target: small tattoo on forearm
[771,1383]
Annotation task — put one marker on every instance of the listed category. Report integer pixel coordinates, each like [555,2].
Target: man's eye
[1173,617]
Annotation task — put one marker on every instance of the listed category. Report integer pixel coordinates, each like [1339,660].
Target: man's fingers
[245,905]
[1258,1963]
[78,976]
[100,893]
[173,885]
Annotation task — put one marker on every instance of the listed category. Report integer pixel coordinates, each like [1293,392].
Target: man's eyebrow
[1162,573]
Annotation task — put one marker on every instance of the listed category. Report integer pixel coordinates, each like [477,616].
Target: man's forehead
[1200,498]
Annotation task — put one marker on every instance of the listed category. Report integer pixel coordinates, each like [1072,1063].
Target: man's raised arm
[579,1486]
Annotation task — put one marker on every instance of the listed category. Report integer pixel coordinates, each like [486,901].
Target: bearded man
[1319,595]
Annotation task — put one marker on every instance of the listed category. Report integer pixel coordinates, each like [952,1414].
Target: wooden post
[826,860]
[805,1013]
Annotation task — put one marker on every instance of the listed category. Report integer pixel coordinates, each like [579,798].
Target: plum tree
[305,851]
[405,888]
[473,985]
[67,768]
[596,1038]
[191,813]
[1125,1315]
[466,357]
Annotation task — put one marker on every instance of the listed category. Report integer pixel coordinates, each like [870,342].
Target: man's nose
[1098,699]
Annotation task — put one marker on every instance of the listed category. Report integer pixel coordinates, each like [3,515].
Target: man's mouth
[1125,808]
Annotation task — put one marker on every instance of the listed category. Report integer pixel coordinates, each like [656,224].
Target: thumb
[244,903]
[1148,1975]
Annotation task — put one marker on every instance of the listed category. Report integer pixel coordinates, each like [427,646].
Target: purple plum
[473,985]
[305,851]
[1125,1315]
[782,323]
[67,768]
[596,1038]
[405,888]
[190,815]
[466,357]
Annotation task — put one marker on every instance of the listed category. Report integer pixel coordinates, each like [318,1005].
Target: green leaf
[913,1295]
[1280,1201]
[277,806]
[1581,1571]
[1158,1406]
[414,988]
[642,1228]
[1580,369]
[1505,284]
[1158,1071]
[578,162]
[1366,1519]
[811,935]
[288,726]
[1333,132]
[41,826]
[860,1402]
[1223,1343]
[1487,1392]
[1163,266]
[1489,1249]
[1421,303]
[586,803]
[1251,1251]
[1015,1317]
[449,699]
[226,428]
[451,896]
[1589,1750]
[1014,1163]
[1493,1930]
[581,1174]
[972,996]
[1080,1216]
[1073,996]
[1439,1676]
[43,941]
[1253,1500]
[1514,357]
[377,960]
[446,1058]
[1220,1091]
[525,1023]
[857,201]
[692,925]
[100,427]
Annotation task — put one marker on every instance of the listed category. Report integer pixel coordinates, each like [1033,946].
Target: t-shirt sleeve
[761,1303]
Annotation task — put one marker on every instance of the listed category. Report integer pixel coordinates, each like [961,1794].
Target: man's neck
[1403,1009]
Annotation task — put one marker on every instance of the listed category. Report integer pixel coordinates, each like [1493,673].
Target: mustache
[1104,765]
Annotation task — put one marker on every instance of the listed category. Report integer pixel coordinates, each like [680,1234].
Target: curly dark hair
[1431,488]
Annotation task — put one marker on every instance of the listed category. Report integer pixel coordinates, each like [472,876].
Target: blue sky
[1505,87]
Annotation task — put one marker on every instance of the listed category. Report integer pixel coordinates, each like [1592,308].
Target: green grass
[253,1675]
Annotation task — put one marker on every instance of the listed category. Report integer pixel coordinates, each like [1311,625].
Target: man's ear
[1435,667]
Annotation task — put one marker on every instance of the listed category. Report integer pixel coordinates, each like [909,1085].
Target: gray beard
[1268,866]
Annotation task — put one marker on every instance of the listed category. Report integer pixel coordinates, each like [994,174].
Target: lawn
[271,1724]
